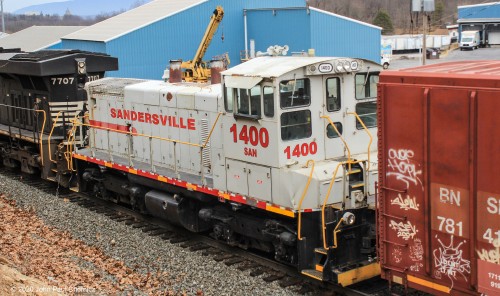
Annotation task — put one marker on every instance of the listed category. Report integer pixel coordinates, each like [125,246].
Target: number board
[450,210]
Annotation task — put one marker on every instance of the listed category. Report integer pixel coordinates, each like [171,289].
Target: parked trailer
[439,192]
[407,43]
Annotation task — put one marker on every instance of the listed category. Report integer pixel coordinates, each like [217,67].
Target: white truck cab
[470,40]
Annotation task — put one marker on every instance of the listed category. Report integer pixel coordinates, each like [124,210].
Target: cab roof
[271,67]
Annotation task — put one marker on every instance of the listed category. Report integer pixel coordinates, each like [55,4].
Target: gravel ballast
[187,272]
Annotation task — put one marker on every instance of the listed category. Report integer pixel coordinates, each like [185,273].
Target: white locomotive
[280,157]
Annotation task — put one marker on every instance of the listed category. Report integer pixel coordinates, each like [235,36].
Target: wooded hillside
[398,11]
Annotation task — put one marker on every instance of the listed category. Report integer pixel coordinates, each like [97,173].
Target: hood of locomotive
[327,185]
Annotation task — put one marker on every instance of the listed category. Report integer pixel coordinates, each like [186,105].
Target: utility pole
[424,38]
[423,6]
[3,21]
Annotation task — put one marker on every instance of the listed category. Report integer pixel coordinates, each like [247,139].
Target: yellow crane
[196,69]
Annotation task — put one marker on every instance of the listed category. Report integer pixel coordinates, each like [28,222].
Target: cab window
[295,93]
[296,125]
[268,101]
[248,101]
[333,94]
[332,133]
[366,85]
[367,111]
[228,102]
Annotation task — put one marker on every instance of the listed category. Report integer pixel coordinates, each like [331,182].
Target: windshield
[467,39]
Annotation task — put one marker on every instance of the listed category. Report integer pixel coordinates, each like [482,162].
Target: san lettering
[153,118]
[252,152]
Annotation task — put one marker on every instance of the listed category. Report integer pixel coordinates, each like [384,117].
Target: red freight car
[439,187]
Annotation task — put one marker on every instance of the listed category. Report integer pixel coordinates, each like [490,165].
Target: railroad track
[257,264]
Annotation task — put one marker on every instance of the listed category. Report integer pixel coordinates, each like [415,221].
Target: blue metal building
[146,38]
[484,18]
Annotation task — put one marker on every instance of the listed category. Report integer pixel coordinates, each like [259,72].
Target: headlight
[349,218]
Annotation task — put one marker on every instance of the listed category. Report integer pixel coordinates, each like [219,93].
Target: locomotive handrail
[50,134]
[335,231]
[327,196]
[369,135]
[211,131]
[151,137]
[71,140]
[41,131]
[340,136]
[299,222]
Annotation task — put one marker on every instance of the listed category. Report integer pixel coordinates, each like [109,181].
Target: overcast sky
[13,5]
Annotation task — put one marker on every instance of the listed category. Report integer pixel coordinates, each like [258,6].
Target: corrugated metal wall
[145,52]
[336,36]
[279,27]
[480,11]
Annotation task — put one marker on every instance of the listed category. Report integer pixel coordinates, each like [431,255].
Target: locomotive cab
[278,118]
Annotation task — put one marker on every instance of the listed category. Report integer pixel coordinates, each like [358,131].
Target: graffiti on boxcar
[417,255]
[406,204]
[404,231]
[397,255]
[417,250]
[492,256]
[449,261]
[402,166]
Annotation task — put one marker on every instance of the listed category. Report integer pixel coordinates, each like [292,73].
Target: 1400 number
[253,135]
[299,150]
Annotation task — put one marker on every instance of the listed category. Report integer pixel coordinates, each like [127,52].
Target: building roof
[476,5]
[478,20]
[37,37]
[345,18]
[131,20]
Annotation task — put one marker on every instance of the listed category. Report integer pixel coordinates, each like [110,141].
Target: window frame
[339,94]
[367,77]
[334,134]
[306,94]
[358,124]
[308,123]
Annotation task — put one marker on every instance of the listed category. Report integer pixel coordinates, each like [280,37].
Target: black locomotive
[40,93]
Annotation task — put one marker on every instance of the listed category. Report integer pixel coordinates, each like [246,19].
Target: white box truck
[470,40]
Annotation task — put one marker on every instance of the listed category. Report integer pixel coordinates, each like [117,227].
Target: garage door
[494,37]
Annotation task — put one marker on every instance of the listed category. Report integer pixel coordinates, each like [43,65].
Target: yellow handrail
[303,196]
[327,196]
[154,137]
[211,130]
[335,231]
[71,140]
[50,135]
[41,133]
[323,224]
[340,136]
[369,135]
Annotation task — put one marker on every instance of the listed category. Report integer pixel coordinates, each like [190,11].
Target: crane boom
[209,33]
[196,69]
